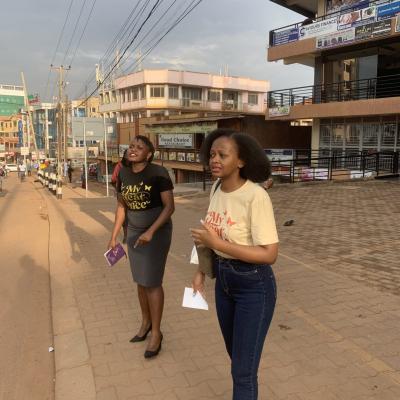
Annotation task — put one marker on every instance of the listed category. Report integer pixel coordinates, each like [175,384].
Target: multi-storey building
[354,48]
[89,108]
[10,128]
[151,93]
[45,127]
[11,99]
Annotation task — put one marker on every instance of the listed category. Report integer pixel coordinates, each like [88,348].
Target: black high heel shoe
[138,338]
[153,353]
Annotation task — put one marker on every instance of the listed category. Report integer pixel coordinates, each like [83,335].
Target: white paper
[194,258]
[191,301]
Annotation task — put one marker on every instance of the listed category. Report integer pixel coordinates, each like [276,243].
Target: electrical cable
[126,49]
[58,44]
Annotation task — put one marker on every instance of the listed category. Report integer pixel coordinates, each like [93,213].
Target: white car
[12,167]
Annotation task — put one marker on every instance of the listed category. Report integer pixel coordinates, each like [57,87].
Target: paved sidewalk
[335,331]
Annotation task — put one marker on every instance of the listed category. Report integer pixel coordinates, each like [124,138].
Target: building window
[142,92]
[214,95]
[156,91]
[325,136]
[135,93]
[388,134]
[253,99]
[353,134]
[191,93]
[370,135]
[173,92]
[337,135]
[93,109]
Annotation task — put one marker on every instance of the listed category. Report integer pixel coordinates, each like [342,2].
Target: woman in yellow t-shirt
[240,228]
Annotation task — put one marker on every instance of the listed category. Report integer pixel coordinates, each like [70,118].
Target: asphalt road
[26,365]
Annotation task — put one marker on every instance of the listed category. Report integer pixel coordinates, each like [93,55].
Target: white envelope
[191,301]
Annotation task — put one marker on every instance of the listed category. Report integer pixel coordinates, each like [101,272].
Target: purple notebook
[114,255]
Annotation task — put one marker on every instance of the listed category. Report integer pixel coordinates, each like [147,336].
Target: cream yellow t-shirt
[244,216]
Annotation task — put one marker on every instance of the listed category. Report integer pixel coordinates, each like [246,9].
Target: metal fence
[336,167]
[363,89]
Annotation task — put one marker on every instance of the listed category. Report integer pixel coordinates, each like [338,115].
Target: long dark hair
[257,166]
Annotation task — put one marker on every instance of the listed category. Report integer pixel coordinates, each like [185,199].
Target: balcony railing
[337,167]
[364,89]
[289,33]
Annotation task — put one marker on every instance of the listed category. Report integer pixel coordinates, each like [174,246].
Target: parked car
[12,167]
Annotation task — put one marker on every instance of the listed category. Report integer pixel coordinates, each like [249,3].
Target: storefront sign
[364,32]
[278,111]
[337,39]
[356,17]
[205,127]
[342,5]
[24,151]
[382,27]
[388,10]
[286,36]
[177,140]
[318,28]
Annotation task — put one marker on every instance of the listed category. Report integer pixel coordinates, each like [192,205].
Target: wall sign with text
[175,140]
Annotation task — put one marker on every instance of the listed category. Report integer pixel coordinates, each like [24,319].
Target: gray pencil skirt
[147,262]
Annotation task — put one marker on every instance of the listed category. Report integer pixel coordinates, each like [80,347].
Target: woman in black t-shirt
[145,197]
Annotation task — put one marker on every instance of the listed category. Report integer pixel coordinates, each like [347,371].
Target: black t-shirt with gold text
[142,190]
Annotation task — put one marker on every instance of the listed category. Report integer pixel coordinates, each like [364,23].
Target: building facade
[11,100]
[160,93]
[10,129]
[354,48]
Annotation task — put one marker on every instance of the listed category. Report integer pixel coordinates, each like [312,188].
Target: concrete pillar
[315,135]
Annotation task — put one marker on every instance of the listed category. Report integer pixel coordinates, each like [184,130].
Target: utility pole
[29,116]
[60,114]
[65,128]
[60,127]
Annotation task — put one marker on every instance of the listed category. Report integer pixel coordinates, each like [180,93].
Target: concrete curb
[74,377]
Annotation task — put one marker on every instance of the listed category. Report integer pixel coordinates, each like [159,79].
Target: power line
[153,42]
[126,49]
[83,32]
[74,31]
[122,32]
[58,44]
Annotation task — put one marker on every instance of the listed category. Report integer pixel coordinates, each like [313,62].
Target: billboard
[337,39]
[286,36]
[342,5]
[388,10]
[318,28]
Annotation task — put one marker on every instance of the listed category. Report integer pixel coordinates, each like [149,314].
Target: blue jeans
[245,296]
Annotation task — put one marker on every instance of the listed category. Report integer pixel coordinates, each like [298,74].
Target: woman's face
[138,152]
[224,159]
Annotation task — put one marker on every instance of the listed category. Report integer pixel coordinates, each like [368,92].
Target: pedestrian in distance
[145,196]
[22,171]
[123,162]
[240,228]
[69,171]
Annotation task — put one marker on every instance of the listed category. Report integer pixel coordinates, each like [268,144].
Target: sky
[219,35]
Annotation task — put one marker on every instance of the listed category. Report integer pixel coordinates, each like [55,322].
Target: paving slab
[335,330]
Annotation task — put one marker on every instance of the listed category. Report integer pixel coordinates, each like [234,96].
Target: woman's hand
[198,282]
[112,243]
[144,238]
[206,237]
